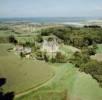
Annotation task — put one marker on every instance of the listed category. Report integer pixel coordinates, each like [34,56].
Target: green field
[67,84]
[68,50]
[99,49]
[48,81]
[22,74]
[6,33]
[98,55]
[24,39]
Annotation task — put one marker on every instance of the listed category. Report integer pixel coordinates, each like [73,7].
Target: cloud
[99,8]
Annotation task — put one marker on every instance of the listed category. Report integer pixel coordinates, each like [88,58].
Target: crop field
[21,74]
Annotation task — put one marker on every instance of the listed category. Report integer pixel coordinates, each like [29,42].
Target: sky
[50,8]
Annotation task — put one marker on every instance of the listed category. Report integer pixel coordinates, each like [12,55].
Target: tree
[22,55]
[28,44]
[12,39]
[60,58]
[93,68]
[79,58]
[5,96]
[46,57]
[95,45]
[39,55]
[39,38]
[89,50]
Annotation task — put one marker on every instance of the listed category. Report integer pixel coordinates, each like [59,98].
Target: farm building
[21,49]
[50,46]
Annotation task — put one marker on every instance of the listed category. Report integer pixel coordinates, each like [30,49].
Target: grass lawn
[22,74]
[68,50]
[67,84]
[98,55]
[6,33]
[99,49]
[24,39]
[4,49]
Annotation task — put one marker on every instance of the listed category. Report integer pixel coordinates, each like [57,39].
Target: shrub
[39,38]
[12,39]
[89,50]
[79,58]
[46,57]
[60,58]
[94,68]
[39,55]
